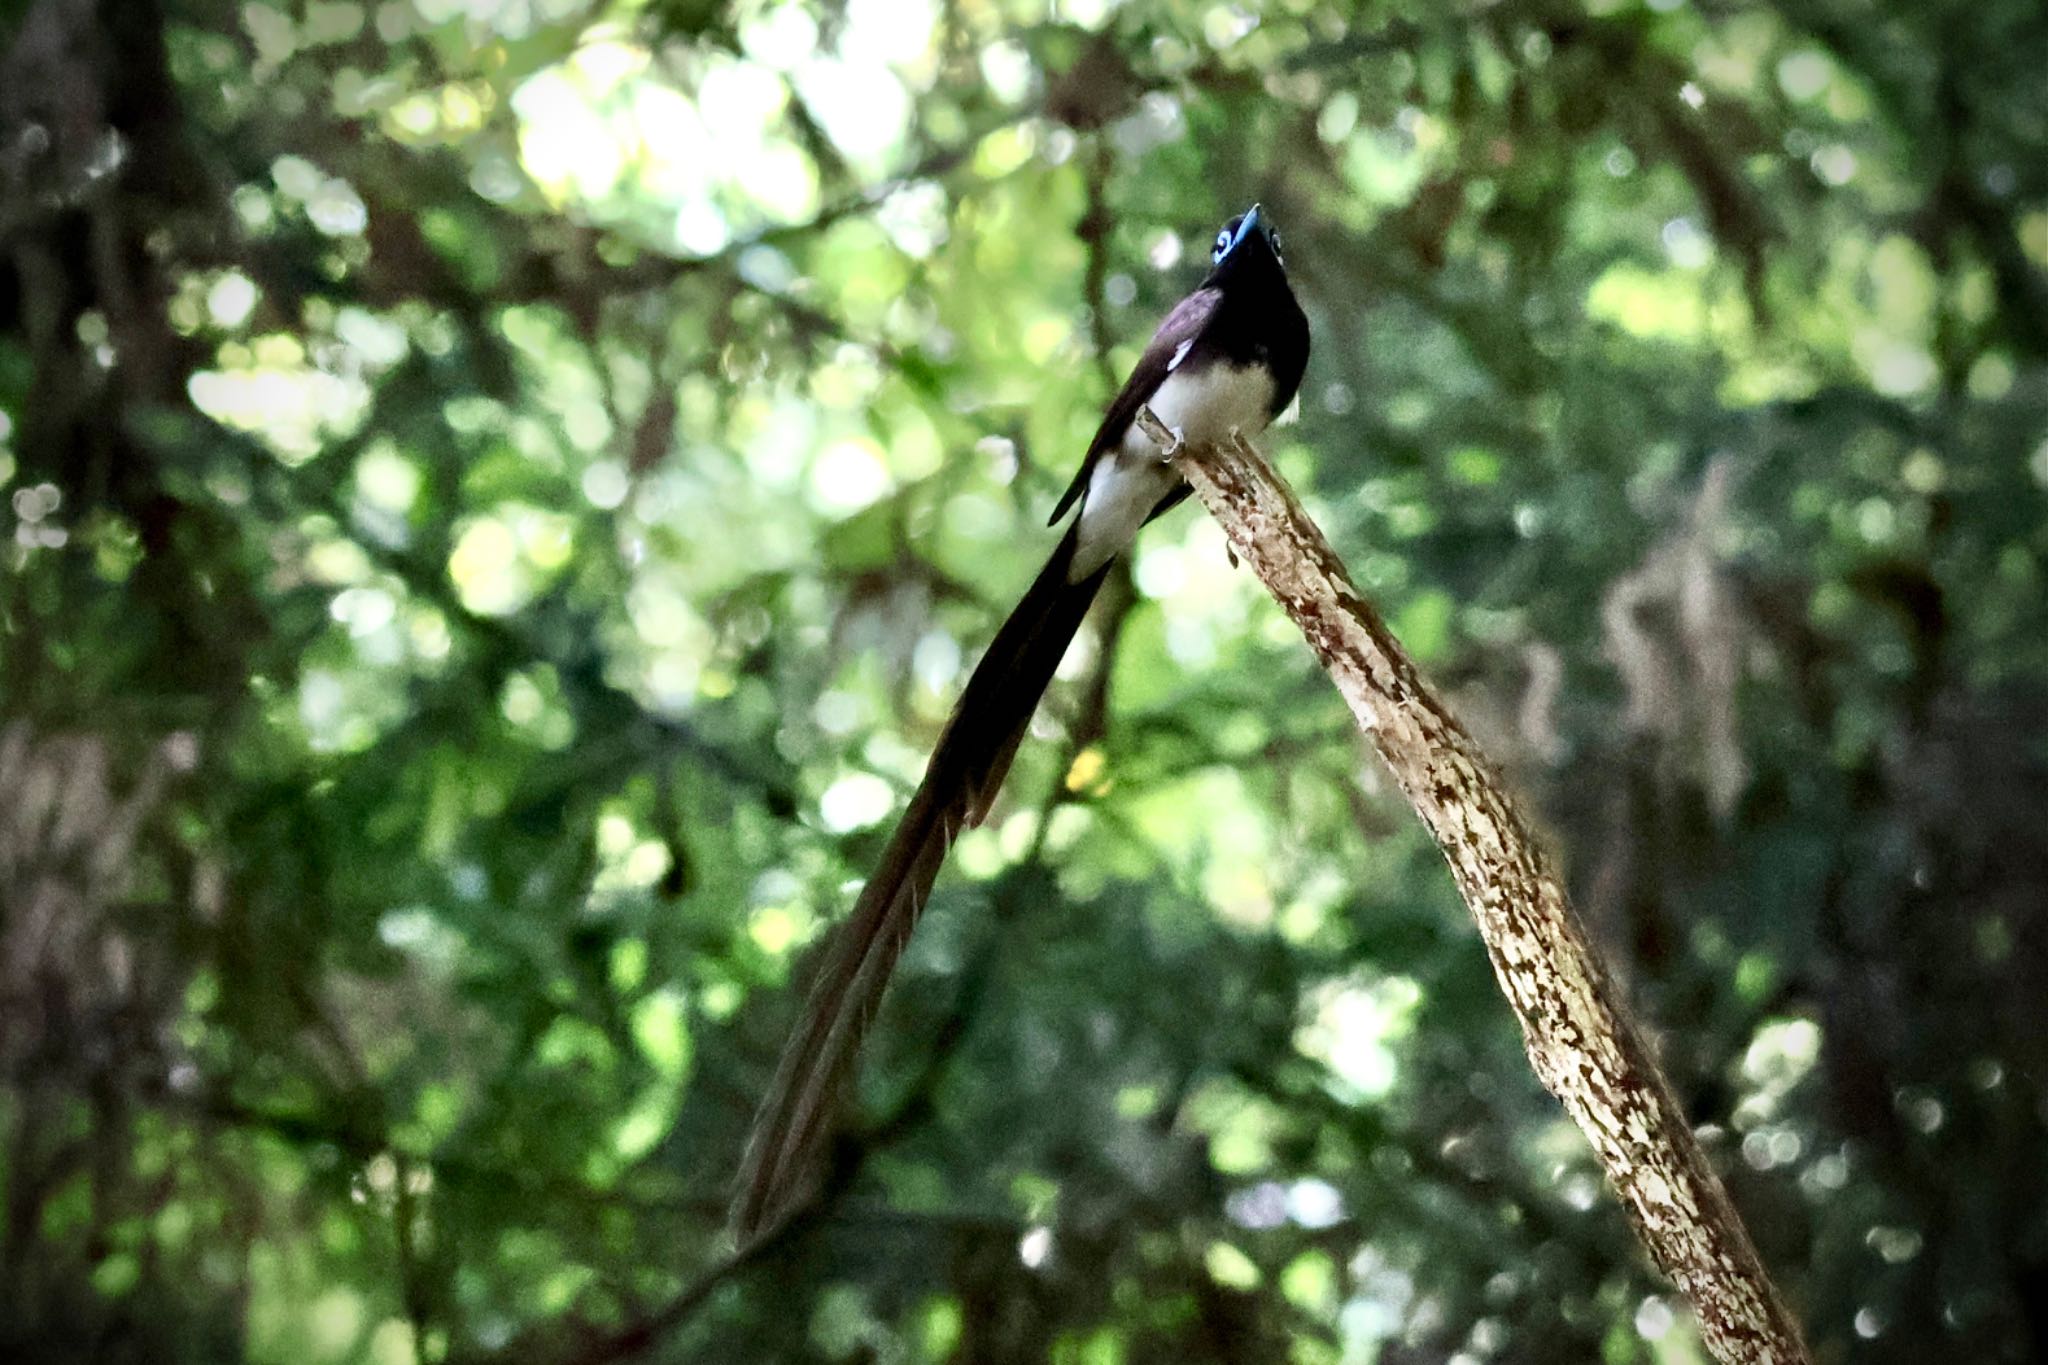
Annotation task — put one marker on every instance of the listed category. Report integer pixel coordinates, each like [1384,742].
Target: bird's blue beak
[1245,229]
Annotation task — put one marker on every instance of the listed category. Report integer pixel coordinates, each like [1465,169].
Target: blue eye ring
[1236,230]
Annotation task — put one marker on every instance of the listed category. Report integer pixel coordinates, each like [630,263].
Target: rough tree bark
[1584,1046]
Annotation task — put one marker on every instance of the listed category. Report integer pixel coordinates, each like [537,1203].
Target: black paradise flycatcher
[1229,357]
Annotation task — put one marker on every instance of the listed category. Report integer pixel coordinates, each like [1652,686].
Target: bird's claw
[1169,439]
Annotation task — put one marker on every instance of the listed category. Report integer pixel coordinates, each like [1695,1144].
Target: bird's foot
[1170,440]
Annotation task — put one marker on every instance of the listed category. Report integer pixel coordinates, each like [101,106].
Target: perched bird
[1229,357]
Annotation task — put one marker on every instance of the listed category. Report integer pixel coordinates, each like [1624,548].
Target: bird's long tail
[959,786]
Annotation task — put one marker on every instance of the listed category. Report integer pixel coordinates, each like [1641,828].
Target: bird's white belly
[1128,482]
[1209,404]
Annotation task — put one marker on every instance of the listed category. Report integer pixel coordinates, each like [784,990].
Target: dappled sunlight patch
[577,1045]
[326,556]
[1211,823]
[1897,369]
[776,929]
[660,1026]
[332,711]
[368,613]
[629,860]
[916,217]
[1382,1302]
[329,202]
[564,383]
[860,271]
[230,299]
[449,112]
[978,853]
[607,131]
[291,1316]
[501,560]
[1204,600]
[664,652]
[843,1324]
[271,391]
[1385,165]
[848,379]
[849,474]
[1315,907]
[864,108]
[1646,303]
[1353,1025]
[423,936]
[855,801]
[1772,371]
[1241,893]
[386,484]
[1778,1058]
[646,1120]
[1241,1127]
[1310,1203]
[2033,237]
[532,703]
[1230,1267]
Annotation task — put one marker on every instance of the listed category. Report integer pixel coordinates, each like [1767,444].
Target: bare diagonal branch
[1581,1040]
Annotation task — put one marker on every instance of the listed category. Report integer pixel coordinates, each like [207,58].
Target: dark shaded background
[500,493]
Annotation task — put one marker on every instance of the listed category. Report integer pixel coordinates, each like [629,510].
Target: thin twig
[638,1336]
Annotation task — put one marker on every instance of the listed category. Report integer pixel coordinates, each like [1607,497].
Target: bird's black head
[1247,243]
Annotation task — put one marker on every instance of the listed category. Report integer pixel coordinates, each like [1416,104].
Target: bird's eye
[1273,239]
[1224,239]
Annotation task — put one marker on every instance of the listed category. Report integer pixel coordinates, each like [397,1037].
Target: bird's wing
[1166,349]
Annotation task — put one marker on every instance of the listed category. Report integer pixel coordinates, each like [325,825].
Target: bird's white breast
[1210,403]
[1128,482]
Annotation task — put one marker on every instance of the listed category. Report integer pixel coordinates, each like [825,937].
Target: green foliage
[501,497]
